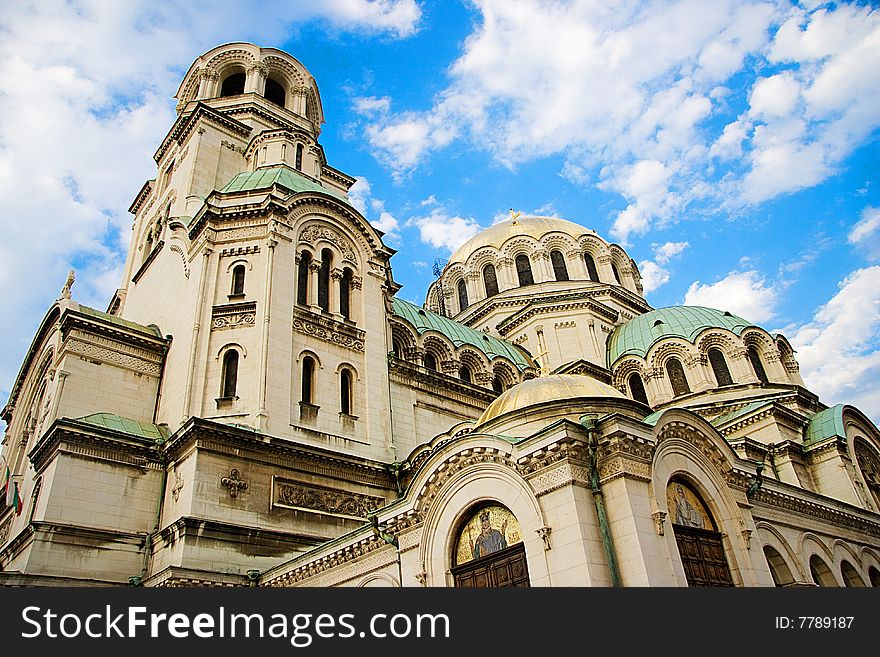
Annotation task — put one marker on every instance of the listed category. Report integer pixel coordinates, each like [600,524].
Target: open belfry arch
[257,406]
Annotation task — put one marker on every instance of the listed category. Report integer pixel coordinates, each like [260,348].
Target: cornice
[186,122]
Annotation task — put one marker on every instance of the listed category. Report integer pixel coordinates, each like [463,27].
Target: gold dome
[531,226]
[544,389]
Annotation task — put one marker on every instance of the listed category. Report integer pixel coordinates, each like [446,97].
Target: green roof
[640,333]
[459,334]
[739,412]
[825,424]
[127,425]
[119,321]
[277,175]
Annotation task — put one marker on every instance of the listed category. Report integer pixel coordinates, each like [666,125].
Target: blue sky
[730,147]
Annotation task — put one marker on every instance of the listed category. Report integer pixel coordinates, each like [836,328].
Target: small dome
[556,387]
[531,226]
[640,333]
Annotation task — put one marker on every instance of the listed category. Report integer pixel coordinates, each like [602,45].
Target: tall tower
[246,250]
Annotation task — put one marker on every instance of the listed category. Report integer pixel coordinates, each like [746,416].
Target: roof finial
[514,214]
[65,291]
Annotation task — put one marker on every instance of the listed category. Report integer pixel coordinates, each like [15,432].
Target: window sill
[235,297]
[225,402]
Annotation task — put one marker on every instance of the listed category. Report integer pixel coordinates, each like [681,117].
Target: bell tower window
[233,85]
[345,293]
[237,281]
[302,283]
[755,360]
[298,165]
[230,374]
[275,92]
[324,280]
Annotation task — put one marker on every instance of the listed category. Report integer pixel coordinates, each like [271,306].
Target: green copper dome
[639,334]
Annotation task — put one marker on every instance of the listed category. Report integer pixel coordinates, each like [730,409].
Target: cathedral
[257,407]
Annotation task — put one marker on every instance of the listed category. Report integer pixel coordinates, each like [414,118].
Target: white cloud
[361,196]
[838,350]
[653,273]
[745,293]
[866,233]
[86,97]
[633,88]
[665,252]
[441,230]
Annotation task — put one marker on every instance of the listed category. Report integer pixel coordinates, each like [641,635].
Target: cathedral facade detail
[257,406]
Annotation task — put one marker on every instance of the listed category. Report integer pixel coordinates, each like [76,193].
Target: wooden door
[702,555]
[503,568]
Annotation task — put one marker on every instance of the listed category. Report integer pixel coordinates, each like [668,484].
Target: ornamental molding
[4,530]
[702,444]
[97,353]
[312,234]
[175,248]
[234,315]
[328,329]
[613,468]
[455,463]
[563,450]
[559,475]
[778,501]
[241,233]
[239,251]
[290,494]
[345,564]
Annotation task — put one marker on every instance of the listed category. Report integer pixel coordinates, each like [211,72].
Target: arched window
[779,570]
[233,85]
[820,572]
[345,391]
[275,92]
[302,283]
[874,574]
[345,293]
[490,280]
[430,361]
[851,576]
[616,272]
[465,374]
[299,157]
[229,377]
[308,379]
[497,385]
[637,389]
[676,376]
[719,367]
[324,280]
[462,295]
[524,270]
[755,359]
[238,280]
[592,272]
[559,270]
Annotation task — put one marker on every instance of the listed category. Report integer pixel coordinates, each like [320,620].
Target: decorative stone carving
[178,486]
[310,497]
[234,483]
[234,315]
[328,329]
[311,234]
[4,530]
[544,533]
[659,521]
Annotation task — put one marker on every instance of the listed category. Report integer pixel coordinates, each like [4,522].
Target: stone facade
[257,407]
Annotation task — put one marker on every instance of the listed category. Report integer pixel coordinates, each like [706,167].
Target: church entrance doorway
[700,544]
[489,551]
